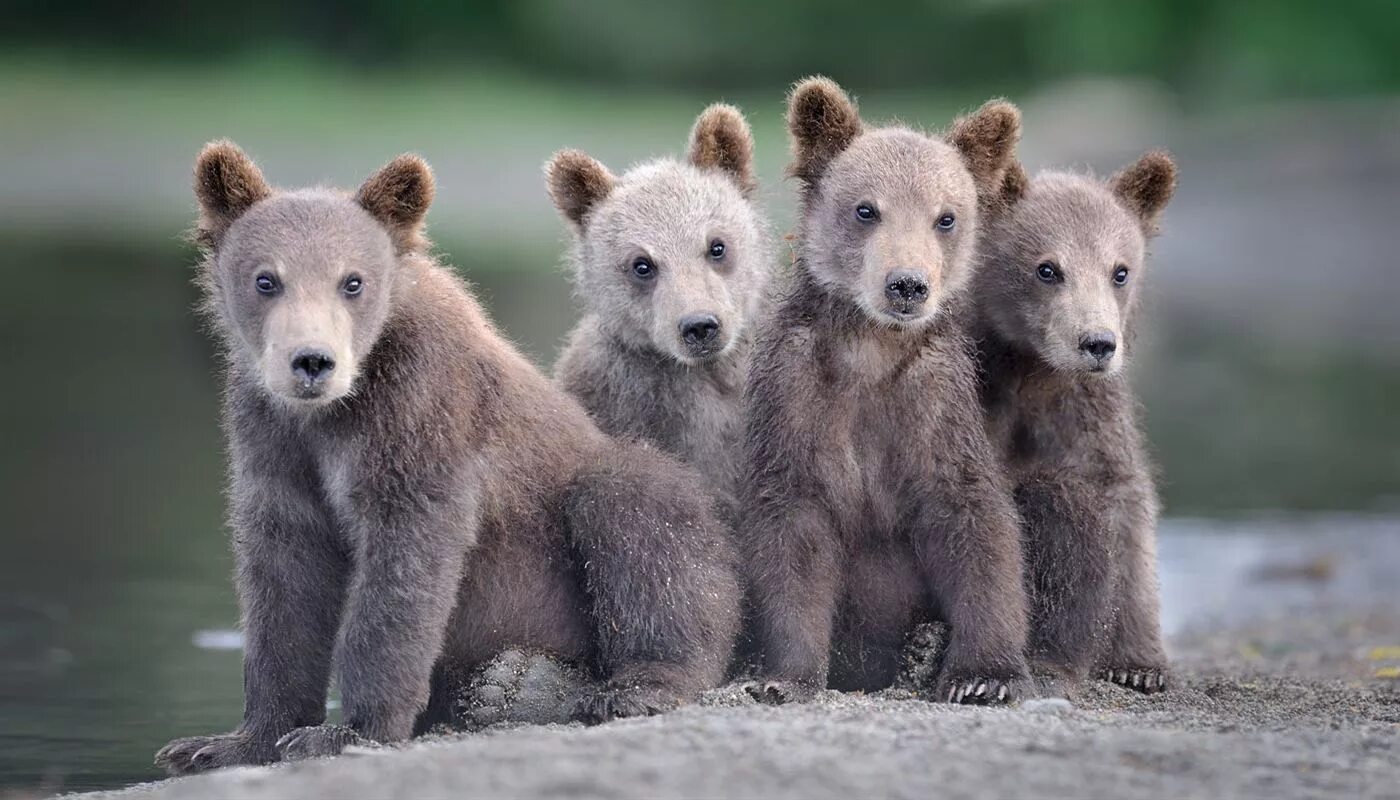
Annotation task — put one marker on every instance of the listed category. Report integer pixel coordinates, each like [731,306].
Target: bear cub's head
[671,255]
[890,215]
[299,283]
[1064,261]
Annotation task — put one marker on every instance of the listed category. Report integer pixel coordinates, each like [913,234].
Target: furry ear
[721,139]
[227,183]
[987,140]
[577,183]
[1014,185]
[823,122]
[398,195]
[1146,186]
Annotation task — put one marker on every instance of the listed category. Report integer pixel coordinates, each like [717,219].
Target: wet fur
[1069,439]
[454,505]
[872,501]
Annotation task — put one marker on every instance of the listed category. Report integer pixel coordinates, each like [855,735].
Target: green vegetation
[1215,52]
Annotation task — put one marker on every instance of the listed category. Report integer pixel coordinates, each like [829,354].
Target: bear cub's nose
[906,287]
[1099,345]
[699,331]
[312,366]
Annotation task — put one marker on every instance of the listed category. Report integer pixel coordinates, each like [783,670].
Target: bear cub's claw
[196,754]
[1148,680]
[317,741]
[980,691]
[778,693]
[613,702]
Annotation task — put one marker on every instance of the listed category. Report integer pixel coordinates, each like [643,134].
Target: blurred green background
[1269,373]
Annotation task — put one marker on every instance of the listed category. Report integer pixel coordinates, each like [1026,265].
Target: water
[116,608]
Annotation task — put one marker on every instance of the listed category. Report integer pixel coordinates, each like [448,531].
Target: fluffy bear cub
[873,501]
[670,260]
[1056,299]
[410,496]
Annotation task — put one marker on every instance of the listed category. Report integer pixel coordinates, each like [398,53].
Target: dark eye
[266,284]
[643,268]
[717,250]
[353,285]
[866,213]
[946,222]
[1048,272]
[1120,276]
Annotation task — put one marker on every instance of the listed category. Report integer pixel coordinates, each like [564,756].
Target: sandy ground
[1286,689]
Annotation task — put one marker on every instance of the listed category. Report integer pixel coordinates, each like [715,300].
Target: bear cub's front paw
[196,754]
[317,741]
[618,702]
[980,690]
[779,693]
[1148,680]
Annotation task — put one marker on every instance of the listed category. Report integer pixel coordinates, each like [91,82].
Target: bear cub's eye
[353,285]
[1048,272]
[866,213]
[643,268]
[946,222]
[266,284]
[716,250]
[1120,276]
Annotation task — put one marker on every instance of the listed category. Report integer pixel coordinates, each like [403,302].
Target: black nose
[906,286]
[699,330]
[312,366]
[1099,345]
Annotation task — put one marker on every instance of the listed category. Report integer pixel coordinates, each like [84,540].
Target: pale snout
[307,353]
[700,334]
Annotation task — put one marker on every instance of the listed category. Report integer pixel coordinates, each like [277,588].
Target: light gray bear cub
[670,260]
[1056,294]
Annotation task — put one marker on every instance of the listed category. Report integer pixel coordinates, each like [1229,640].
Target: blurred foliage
[1215,51]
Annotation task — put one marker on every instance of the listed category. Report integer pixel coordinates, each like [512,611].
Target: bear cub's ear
[227,184]
[823,121]
[398,195]
[721,139]
[1146,186]
[987,140]
[577,183]
[1014,185]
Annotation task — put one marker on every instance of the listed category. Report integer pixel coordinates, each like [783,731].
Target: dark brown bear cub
[1056,295]
[873,497]
[410,496]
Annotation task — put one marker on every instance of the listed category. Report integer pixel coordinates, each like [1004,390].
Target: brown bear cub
[670,259]
[1055,295]
[410,496]
[873,502]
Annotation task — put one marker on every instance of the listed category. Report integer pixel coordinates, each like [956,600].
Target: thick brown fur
[1065,421]
[631,360]
[872,497]
[443,504]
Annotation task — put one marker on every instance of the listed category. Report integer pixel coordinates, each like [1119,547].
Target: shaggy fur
[1064,421]
[445,503]
[630,360]
[872,499]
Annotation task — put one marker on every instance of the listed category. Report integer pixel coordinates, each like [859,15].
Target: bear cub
[872,498]
[410,497]
[670,259]
[1056,298]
